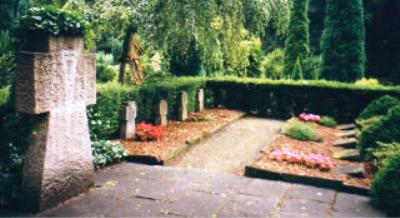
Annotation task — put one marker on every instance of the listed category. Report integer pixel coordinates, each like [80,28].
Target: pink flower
[309,117]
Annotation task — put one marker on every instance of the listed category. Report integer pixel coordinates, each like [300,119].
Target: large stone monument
[59,84]
[128,117]
[183,106]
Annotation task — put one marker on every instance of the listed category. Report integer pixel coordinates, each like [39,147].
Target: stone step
[347,154]
[356,170]
[346,126]
[345,142]
[348,134]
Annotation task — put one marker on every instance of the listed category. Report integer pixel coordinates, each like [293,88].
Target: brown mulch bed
[178,133]
[325,147]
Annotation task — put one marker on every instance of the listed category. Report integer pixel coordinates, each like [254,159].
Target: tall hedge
[343,41]
[297,42]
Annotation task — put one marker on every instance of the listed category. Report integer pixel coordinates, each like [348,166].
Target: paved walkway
[233,147]
[133,190]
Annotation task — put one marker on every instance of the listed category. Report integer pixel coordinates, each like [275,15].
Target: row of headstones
[129,109]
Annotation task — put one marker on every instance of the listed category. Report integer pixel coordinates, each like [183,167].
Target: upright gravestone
[59,84]
[183,106]
[200,100]
[128,117]
[162,113]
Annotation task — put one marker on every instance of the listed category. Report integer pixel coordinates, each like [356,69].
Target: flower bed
[179,136]
[309,159]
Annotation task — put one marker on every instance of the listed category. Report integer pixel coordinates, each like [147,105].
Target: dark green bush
[327,121]
[368,122]
[385,189]
[105,153]
[385,131]
[7,67]
[343,41]
[312,68]
[285,98]
[104,71]
[380,106]
[301,131]
[384,152]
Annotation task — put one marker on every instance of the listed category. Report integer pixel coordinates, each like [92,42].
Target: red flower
[149,132]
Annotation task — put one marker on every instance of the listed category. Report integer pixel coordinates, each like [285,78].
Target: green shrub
[368,122]
[272,64]
[380,106]
[106,153]
[301,131]
[343,41]
[385,189]
[385,131]
[7,69]
[104,71]
[384,152]
[312,67]
[328,121]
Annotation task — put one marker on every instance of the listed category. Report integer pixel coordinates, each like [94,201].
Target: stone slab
[292,207]
[183,106]
[348,134]
[351,205]
[250,206]
[354,170]
[347,154]
[346,126]
[345,142]
[162,113]
[200,100]
[311,193]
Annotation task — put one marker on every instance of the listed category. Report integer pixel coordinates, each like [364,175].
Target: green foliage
[367,82]
[301,131]
[343,41]
[384,152]
[106,153]
[368,122]
[284,98]
[297,43]
[104,71]
[385,189]
[327,121]
[272,64]
[380,106]
[53,21]
[7,67]
[312,68]
[385,131]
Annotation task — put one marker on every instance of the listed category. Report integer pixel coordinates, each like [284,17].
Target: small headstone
[357,170]
[347,134]
[128,117]
[345,142]
[347,154]
[200,100]
[162,113]
[183,107]
[346,126]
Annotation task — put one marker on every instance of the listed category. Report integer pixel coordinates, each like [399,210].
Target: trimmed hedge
[286,98]
[105,115]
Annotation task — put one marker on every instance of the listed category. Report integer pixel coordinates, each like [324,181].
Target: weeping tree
[297,43]
[343,41]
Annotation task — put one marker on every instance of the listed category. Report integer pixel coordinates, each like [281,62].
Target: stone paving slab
[134,190]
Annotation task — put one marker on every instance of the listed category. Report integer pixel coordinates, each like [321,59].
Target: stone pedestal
[128,117]
[200,100]
[162,113]
[183,106]
[59,84]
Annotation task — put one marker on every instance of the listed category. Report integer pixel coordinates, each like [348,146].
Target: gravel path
[233,147]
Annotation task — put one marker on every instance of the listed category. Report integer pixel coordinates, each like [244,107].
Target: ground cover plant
[301,131]
[327,121]
[106,153]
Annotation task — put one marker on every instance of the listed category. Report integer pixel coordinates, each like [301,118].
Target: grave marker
[128,117]
[183,107]
[200,101]
[162,113]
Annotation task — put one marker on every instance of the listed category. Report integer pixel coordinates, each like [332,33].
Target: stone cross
[162,112]
[59,84]
[128,117]
[183,107]
[200,100]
